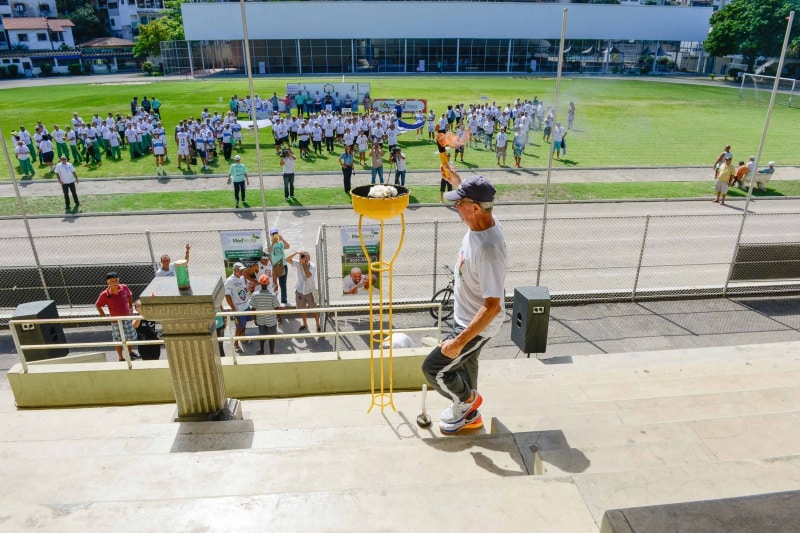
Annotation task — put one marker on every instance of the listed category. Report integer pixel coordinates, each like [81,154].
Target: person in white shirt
[287,162]
[305,285]
[68,179]
[452,367]
[166,267]
[399,166]
[23,154]
[60,138]
[238,298]
[501,146]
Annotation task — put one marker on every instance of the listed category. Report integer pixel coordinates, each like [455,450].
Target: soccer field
[620,122]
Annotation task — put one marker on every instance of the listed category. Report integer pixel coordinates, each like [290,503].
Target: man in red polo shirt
[119,301]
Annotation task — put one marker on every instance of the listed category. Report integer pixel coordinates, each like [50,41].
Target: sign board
[245,246]
[353,260]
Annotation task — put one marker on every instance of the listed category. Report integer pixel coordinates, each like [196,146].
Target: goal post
[758,88]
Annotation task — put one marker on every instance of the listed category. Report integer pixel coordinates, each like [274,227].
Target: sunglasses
[459,203]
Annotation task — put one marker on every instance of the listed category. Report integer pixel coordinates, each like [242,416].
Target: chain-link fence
[582,259]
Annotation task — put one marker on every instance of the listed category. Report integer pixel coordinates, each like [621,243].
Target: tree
[751,28]
[88,24]
[166,28]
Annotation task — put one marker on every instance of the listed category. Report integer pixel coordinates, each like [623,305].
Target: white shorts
[158,151]
[721,186]
[183,150]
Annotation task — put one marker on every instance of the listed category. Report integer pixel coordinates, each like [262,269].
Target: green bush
[148,67]
[13,70]
[734,73]
[644,70]
[74,68]
[3,72]
[47,68]
[87,67]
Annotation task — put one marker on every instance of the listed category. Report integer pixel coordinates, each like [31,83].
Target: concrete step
[525,504]
[634,432]
[686,482]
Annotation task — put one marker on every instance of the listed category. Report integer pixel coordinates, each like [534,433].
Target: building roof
[35,23]
[107,42]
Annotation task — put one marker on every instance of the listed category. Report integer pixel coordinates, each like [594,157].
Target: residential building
[124,16]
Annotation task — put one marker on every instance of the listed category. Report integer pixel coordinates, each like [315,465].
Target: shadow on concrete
[195,437]
[473,441]
[552,443]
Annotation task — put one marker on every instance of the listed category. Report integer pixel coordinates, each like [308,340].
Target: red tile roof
[107,42]
[35,23]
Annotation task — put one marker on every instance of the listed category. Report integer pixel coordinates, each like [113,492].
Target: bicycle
[445,298]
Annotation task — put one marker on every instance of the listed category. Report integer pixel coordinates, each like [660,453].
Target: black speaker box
[530,319]
[40,333]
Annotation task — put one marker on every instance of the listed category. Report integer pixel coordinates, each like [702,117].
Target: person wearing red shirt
[118,298]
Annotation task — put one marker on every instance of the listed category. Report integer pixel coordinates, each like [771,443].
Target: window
[113,23]
[113,5]
[41,36]
[22,37]
[4,2]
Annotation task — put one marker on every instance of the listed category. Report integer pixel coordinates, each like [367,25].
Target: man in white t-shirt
[68,179]
[166,267]
[238,298]
[305,285]
[478,295]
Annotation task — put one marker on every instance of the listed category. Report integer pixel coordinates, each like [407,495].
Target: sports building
[449,37]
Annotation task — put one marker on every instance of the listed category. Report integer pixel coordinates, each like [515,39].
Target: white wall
[394,20]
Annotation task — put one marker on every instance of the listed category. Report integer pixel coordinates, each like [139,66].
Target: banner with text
[243,246]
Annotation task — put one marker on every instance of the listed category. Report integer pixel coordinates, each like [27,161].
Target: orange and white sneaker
[458,411]
[474,420]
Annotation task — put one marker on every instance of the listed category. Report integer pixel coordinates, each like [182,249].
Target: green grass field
[619,122]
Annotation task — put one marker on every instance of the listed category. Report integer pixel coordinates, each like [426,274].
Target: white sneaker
[457,411]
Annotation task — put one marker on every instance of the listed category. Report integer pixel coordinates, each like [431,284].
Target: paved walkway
[272,180]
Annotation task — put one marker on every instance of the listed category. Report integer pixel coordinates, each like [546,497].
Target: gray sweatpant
[454,378]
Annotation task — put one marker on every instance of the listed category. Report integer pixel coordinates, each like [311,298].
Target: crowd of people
[89,140]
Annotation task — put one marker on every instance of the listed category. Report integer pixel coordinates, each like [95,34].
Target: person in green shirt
[238,174]
[298,101]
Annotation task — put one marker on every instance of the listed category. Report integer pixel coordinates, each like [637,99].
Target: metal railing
[334,312]
[582,259]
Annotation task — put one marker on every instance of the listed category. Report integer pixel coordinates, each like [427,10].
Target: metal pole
[191,64]
[249,68]
[435,254]
[790,20]
[641,255]
[23,212]
[550,148]
[150,247]
[20,352]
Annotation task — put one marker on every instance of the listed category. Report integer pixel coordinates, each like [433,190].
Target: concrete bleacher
[563,444]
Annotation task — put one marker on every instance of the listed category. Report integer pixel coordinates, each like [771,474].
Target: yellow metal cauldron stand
[380,336]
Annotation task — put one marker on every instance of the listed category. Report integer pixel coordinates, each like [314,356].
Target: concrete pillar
[190,338]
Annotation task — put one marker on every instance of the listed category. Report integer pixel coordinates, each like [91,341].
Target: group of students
[262,287]
[88,141]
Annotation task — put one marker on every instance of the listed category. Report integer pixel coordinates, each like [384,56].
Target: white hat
[237,158]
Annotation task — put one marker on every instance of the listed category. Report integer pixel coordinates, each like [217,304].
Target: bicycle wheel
[444,297]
